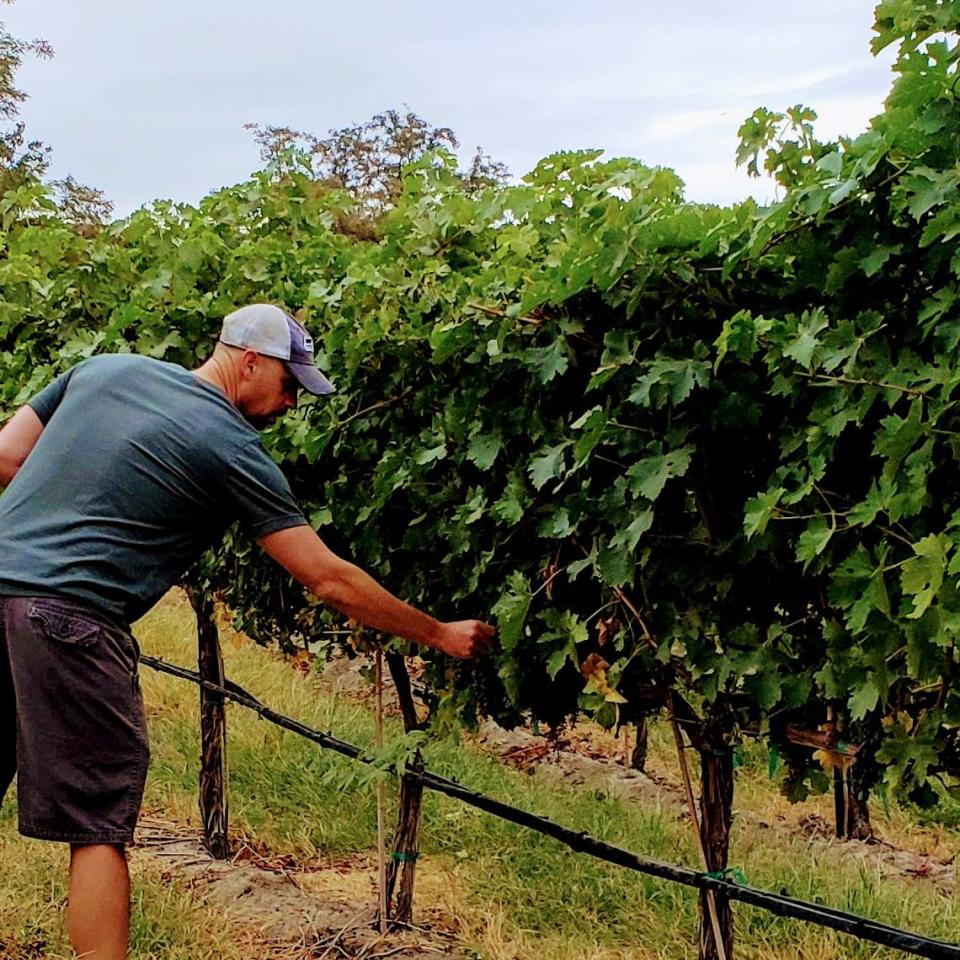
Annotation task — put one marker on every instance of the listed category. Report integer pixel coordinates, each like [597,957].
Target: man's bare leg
[98,913]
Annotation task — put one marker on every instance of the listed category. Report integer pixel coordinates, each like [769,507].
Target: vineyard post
[708,898]
[853,778]
[381,845]
[405,847]
[213,728]
[716,805]
[638,758]
[840,806]
[858,807]
[863,775]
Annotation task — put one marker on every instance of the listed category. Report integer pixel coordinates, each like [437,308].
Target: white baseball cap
[274,333]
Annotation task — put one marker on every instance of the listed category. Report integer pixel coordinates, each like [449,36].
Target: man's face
[268,390]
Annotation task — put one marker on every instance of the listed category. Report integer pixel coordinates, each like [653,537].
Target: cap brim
[311,379]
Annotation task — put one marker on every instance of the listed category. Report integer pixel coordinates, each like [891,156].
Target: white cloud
[671,126]
[845,116]
[712,183]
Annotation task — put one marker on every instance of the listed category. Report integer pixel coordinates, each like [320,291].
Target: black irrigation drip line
[580,842]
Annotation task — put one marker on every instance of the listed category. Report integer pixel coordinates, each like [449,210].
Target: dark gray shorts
[71,721]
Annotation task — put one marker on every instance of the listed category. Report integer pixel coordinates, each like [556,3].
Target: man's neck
[219,373]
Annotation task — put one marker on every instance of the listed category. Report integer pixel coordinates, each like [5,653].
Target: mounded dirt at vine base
[313,912]
[571,768]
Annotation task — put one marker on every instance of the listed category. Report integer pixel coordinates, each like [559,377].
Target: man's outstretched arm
[17,438]
[347,588]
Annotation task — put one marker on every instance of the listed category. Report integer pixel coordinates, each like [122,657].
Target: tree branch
[373,406]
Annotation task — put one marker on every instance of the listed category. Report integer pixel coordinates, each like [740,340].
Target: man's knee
[97,854]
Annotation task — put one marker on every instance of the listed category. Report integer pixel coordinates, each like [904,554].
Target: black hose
[777,904]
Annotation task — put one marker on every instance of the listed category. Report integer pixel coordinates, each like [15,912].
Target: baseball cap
[274,333]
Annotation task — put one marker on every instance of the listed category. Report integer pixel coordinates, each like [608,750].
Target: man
[120,473]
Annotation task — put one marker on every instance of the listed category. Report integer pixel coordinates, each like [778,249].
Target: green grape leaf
[760,511]
[548,362]
[649,476]
[874,261]
[484,449]
[813,541]
[615,564]
[922,575]
[549,464]
[430,454]
[510,611]
[801,348]
[863,699]
[630,535]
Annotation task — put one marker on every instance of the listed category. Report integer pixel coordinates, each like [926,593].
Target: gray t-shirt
[140,467]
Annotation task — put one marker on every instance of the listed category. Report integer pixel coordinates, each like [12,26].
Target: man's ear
[248,363]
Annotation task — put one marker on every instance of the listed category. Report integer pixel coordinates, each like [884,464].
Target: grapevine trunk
[213,729]
[405,847]
[716,803]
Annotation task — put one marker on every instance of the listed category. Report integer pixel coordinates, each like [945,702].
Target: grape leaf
[863,699]
[922,575]
[510,611]
[549,464]
[649,476]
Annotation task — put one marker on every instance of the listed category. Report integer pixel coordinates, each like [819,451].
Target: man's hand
[465,638]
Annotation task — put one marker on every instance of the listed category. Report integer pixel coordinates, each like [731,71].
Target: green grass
[519,894]
[167,921]
[511,893]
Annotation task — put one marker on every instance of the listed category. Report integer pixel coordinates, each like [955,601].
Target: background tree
[23,160]
[369,159]
[20,159]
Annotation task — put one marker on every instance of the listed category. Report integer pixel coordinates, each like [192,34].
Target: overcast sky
[148,100]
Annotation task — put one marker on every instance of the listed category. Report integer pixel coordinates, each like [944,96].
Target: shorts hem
[76,836]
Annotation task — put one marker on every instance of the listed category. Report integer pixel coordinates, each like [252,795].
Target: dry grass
[758,795]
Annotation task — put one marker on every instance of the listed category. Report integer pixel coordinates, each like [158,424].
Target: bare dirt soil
[301,912]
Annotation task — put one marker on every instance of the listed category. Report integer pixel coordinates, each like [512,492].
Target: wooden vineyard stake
[213,729]
[840,804]
[381,842]
[694,820]
[638,758]
[716,800]
[404,850]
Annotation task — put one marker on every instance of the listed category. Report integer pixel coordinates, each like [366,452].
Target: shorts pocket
[63,626]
